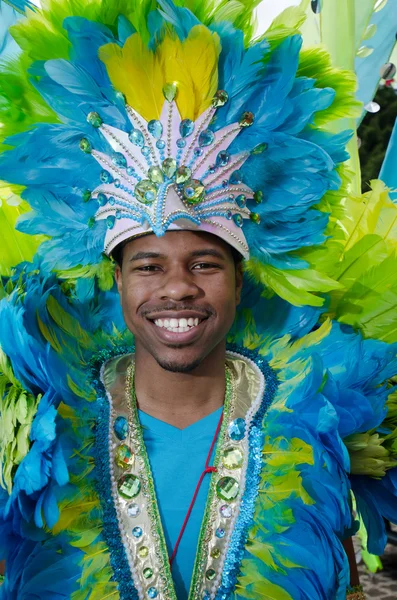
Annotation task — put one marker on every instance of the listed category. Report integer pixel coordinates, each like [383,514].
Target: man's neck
[180,399]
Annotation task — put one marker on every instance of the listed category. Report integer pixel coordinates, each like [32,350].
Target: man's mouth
[178,325]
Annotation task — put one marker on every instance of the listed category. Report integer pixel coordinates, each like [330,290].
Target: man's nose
[179,284]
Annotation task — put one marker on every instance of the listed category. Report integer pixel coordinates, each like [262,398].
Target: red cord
[207,469]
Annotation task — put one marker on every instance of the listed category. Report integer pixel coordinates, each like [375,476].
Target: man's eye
[147,268]
[203,265]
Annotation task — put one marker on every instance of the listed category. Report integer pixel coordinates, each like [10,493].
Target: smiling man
[214,453]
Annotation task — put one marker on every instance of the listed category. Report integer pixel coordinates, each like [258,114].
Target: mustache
[172,306]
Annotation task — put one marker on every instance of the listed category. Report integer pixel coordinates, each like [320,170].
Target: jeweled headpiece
[172,173]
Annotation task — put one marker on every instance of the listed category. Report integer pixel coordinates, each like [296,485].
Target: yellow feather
[141,74]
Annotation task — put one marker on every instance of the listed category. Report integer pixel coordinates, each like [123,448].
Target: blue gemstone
[152,592]
[220,532]
[206,137]
[225,183]
[130,171]
[235,178]
[145,151]
[222,159]
[236,429]
[198,152]
[136,137]
[121,427]
[241,200]
[112,201]
[186,127]
[137,532]
[119,160]
[238,219]
[160,144]
[155,128]
[117,183]
[229,215]
[102,199]
[118,214]
[110,221]
[106,177]
[206,595]
[181,143]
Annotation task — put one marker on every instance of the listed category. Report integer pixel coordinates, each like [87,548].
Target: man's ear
[118,278]
[239,281]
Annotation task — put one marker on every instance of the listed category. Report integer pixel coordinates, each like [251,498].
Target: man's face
[179,295]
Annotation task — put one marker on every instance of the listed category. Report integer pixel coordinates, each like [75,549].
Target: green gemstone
[91,222]
[147,573]
[129,486]
[210,574]
[232,458]
[258,196]
[170,90]
[246,119]
[255,218]
[94,119]
[227,489]
[86,196]
[156,175]
[193,191]
[85,146]
[143,552]
[124,457]
[215,553]
[260,148]
[169,167]
[183,174]
[145,191]
[220,98]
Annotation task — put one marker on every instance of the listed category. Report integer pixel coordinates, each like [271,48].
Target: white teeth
[177,325]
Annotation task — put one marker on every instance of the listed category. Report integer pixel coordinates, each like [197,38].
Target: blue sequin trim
[111,532]
[245,519]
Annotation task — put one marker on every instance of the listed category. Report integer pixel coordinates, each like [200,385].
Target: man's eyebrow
[142,255]
[207,252]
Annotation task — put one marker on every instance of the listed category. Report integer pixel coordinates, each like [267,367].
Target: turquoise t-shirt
[177,458]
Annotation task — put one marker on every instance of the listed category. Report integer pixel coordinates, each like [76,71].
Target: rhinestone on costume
[119,160]
[193,191]
[106,177]
[130,171]
[241,201]
[206,138]
[91,222]
[258,196]
[147,573]
[137,532]
[227,489]
[206,595]
[160,144]
[198,152]
[145,191]
[169,167]
[121,427]
[94,119]
[155,128]
[118,214]
[86,196]
[186,128]
[129,486]
[156,175]
[232,458]
[255,218]
[235,178]
[260,148]
[246,119]
[124,457]
[110,221]
[238,220]
[133,510]
[143,552]
[220,533]
[215,553]
[236,429]
[220,99]
[183,174]
[226,511]
[170,90]
[152,592]
[136,137]
[145,151]
[222,159]
[102,199]
[210,574]
[85,146]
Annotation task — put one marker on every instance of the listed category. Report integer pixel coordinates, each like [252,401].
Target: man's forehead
[184,242]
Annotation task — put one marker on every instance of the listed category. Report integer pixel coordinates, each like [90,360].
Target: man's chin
[174,366]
